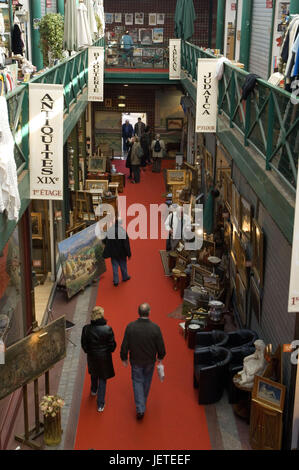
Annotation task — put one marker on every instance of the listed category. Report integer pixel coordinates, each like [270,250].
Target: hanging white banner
[174,59]
[294,277]
[46,141]
[207,96]
[95,74]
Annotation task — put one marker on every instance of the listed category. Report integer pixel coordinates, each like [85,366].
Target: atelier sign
[46,141]
[207,96]
[95,74]
[174,59]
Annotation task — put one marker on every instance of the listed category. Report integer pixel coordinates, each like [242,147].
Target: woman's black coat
[98,342]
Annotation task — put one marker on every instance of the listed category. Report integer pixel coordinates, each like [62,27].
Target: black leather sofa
[204,339]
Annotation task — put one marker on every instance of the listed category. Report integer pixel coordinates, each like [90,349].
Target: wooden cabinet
[265,427]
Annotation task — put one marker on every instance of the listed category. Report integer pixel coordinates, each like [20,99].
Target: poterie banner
[95,74]
[294,277]
[174,59]
[207,96]
[46,141]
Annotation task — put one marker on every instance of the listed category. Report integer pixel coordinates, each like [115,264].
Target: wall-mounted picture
[227,235]
[158,35]
[117,17]
[81,259]
[176,177]
[258,252]
[241,300]
[245,219]
[236,213]
[97,164]
[129,18]
[109,18]
[36,224]
[174,124]
[139,18]
[97,185]
[220,176]
[137,52]
[232,271]
[108,102]
[207,250]
[228,183]
[152,19]
[134,35]
[145,36]
[239,252]
[160,18]
[269,392]
[255,300]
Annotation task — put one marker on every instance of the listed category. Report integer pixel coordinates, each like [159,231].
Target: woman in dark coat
[98,343]
[128,160]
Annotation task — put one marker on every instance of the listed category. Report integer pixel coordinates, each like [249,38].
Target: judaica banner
[95,74]
[46,141]
[294,277]
[174,59]
[207,96]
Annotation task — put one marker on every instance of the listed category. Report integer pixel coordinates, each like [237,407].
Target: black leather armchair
[210,373]
[243,337]
[205,339]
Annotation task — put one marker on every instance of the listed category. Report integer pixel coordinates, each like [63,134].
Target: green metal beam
[220,24]
[142,78]
[294,7]
[60,7]
[35,15]
[246,33]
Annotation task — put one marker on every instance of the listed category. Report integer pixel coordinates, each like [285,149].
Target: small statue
[253,365]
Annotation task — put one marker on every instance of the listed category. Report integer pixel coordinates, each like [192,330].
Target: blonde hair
[97,312]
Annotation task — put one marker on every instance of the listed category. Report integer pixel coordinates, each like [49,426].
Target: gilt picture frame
[36,225]
[258,252]
[246,219]
[269,392]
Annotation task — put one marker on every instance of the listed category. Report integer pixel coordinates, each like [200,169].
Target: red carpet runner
[173,419]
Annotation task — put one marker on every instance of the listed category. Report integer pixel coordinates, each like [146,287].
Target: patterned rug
[164,259]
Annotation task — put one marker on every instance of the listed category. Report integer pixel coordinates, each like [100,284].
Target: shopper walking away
[177,224]
[158,148]
[145,143]
[136,156]
[144,344]
[128,159]
[127,133]
[117,247]
[127,45]
[97,341]
[139,128]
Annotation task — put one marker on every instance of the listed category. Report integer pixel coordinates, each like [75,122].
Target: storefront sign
[207,96]
[294,278]
[174,59]
[46,141]
[95,74]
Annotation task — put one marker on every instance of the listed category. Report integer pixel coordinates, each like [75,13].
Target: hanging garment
[84,34]
[295,50]
[91,18]
[9,191]
[17,44]
[220,67]
[249,85]
[99,11]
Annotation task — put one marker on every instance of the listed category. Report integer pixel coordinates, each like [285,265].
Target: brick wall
[201,24]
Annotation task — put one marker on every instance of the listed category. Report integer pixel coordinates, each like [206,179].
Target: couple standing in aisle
[142,341]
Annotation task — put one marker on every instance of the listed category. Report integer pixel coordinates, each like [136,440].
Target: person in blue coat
[127,133]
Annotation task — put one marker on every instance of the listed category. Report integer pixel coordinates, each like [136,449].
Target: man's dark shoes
[115,284]
[139,416]
[128,278]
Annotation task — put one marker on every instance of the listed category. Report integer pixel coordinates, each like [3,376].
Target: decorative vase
[52,429]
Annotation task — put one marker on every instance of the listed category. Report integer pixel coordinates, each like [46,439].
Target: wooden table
[242,408]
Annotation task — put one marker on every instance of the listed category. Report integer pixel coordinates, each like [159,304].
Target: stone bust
[253,365]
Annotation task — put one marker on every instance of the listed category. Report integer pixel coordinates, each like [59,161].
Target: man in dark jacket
[127,133]
[139,128]
[98,343]
[144,342]
[117,247]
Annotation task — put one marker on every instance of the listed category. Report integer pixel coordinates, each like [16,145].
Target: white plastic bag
[160,369]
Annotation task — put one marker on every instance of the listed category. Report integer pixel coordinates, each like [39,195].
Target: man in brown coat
[136,154]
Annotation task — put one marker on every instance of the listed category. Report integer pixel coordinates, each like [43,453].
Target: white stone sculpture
[253,365]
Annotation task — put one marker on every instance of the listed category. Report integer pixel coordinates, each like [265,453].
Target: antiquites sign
[95,74]
[174,59]
[46,141]
[207,96]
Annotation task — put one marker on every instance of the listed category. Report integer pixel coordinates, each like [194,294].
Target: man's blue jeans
[122,263]
[99,385]
[142,379]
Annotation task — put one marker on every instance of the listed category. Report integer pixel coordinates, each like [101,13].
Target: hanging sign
[174,59]
[46,141]
[95,74]
[294,277]
[207,96]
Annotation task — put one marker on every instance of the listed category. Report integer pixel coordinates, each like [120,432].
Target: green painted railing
[72,73]
[268,120]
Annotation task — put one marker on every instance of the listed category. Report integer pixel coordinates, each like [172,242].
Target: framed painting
[176,177]
[117,17]
[160,18]
[158,35]
[197,276]
[227,191]
[207,250]
[145,36]
[239,252]
[36,225]
[152,19]
[236,213]
[220,175]
[241,299]
[109,18]
[232,271]
[97,164]
[258,252]
[227,235]
[139,18]
[129,18]
[245,219]
[269,392]
[97,185]
[255,300]
[174,124]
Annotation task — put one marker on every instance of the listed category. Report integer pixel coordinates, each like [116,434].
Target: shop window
[11,309]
